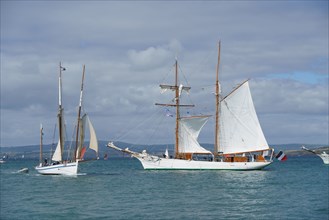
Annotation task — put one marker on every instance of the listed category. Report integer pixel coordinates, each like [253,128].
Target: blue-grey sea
[119,188]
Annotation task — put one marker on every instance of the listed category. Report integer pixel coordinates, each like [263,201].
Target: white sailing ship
[239,140]
[324,156]
[58,165]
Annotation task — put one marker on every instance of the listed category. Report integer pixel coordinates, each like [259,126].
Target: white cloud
[154,57]
[128,49]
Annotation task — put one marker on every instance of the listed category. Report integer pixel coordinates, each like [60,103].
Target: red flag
[83,151]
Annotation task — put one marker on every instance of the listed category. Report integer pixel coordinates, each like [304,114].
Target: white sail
[166,153]
[93,139]
[189,130]
[57,156]
[240,130]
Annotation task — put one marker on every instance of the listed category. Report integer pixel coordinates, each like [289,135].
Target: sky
[130,47]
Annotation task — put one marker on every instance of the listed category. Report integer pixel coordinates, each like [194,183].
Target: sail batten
[240,128]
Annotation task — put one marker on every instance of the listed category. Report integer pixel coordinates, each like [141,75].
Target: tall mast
[60,110]
[41,136]
[79,115]
[178,90]
[217,94]
[177,110]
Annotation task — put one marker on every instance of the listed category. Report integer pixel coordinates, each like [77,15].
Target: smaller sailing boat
[324,156]
[57,165]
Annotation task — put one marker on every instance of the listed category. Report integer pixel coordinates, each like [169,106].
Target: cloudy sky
[130,47]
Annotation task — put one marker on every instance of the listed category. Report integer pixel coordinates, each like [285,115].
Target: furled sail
[93,139]
[189,130]
[240,130]
[164,88]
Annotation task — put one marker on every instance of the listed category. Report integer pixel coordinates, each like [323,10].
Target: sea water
[119,188]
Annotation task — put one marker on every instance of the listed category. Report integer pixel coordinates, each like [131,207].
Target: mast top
[177,88]
[61,68]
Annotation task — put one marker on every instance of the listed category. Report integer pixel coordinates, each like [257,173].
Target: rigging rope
[125,133]
[71,142]
[53,143]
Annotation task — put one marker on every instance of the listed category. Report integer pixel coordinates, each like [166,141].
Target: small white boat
[23,170]
[324,156]
[2,160]
[59,169]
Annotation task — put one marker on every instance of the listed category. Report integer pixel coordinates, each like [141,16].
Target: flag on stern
[281,156]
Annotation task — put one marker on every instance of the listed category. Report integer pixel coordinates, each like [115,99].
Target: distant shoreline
[32,151]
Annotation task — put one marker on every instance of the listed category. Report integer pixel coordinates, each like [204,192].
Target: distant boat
[105,156]
[324,156]
[23,170]
[2,160]
[239,140]
[57,165]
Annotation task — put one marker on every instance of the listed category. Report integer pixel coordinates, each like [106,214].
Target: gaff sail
[93,143]
[240,130]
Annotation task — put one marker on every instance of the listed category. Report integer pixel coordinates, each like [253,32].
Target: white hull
[324,157]
[59,169]
[150,162]
[23,170]
[157,163]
